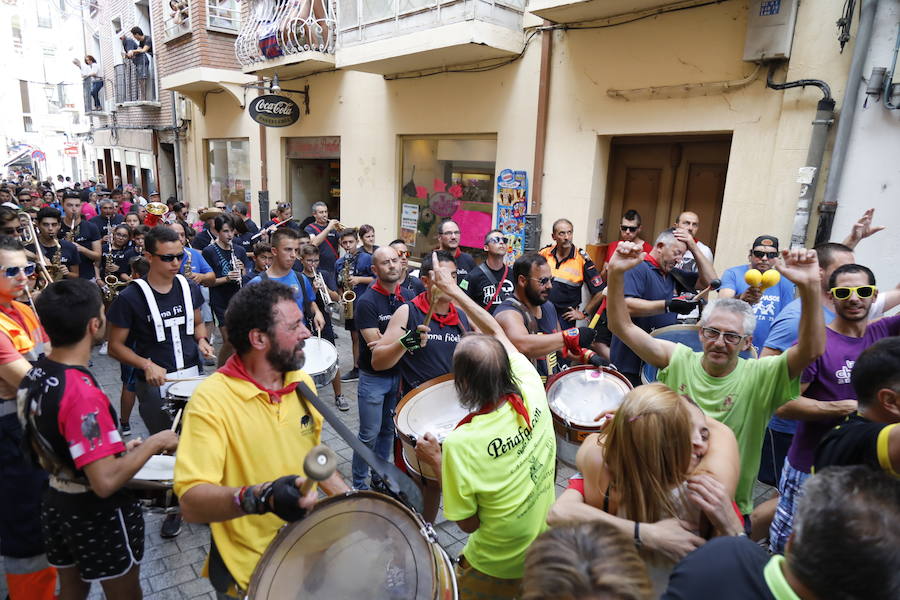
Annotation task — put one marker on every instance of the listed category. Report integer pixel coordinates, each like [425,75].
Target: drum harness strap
[173,323]
[531,323]
[490,277]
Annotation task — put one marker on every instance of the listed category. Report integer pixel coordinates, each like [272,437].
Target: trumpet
[323,291]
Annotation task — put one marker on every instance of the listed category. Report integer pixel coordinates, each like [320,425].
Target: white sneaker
[104,348]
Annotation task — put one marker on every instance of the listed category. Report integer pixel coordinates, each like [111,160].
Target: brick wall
[199,48]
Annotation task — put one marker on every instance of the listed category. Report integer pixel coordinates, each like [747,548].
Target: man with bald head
[690,222]
[378,391]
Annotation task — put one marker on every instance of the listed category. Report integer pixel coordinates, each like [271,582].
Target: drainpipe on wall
[829,203]
[540,138]
[263,168]
[813,166]
[179,187]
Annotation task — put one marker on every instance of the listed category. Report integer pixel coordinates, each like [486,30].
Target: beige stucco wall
[771,129]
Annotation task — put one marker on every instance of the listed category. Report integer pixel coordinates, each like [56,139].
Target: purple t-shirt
[829,381]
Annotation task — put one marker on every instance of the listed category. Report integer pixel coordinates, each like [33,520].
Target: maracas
[753,277]
[770,279]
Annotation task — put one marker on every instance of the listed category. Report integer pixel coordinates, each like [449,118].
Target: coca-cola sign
[274,111]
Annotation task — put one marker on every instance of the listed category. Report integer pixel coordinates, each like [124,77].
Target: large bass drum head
[365,545]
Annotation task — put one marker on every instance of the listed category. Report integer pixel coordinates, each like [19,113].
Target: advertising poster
[409,223]
[512,206]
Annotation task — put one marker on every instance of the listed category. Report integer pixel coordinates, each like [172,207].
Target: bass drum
[689,335]
[576,397]
[360,545]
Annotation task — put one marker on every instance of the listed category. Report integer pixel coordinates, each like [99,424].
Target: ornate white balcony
[393,36]
[287,37]
[576,11]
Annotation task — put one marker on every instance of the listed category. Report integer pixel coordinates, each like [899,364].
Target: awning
[23,159]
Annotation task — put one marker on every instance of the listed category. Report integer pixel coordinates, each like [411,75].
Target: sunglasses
[496,240]
[169,257]
[403,253]
[11,272]
[630,228]
[542,280]
[862,291]
[761,254]
[712,334]
[12,230]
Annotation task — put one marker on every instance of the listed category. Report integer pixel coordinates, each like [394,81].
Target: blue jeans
[791,489]
[377,396]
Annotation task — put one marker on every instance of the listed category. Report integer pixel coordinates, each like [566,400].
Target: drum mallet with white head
[318,465]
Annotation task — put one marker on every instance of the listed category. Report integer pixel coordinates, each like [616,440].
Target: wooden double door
[663,176]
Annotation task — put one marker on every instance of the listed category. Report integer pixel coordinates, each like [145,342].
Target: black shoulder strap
[530,322]
[488,273]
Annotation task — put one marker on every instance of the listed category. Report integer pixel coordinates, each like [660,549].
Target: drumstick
[318,465]
[176,379]
[177,419]
[432,295]
[713,285]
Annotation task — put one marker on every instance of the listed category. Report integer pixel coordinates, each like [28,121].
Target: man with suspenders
[161,314]
[490,283]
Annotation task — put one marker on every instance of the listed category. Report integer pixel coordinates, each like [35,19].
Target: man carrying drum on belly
[161,314]
[497,465]
[423,352]
[246,432]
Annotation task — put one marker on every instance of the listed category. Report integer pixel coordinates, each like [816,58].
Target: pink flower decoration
[439,186]
[421,191]
[456,190]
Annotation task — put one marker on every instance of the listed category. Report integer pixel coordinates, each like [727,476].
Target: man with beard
[246,429]
[529,319]
[828,380]
[570,269]
[489,283]
[378,391]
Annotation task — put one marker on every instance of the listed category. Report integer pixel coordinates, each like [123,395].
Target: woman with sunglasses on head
[662,472]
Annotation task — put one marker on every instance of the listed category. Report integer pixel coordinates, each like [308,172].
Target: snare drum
[576,396]
[689,335]
[321,360]
[431,407]
[177,396]
[153,483]
[360,545]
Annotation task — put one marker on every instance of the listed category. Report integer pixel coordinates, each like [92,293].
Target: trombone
[29,236]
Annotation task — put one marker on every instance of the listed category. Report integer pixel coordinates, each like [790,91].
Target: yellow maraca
[770,279]
[753,277]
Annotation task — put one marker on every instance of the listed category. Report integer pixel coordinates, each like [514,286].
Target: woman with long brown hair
[660,471]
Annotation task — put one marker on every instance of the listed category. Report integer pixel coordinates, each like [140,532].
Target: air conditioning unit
[770,29]
[109,105]
[185,108]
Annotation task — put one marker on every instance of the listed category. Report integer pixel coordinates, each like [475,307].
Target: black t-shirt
[244,240]
[465,264]
[482,288]
[436,358]
[202,239]
[328,249]
[68,253]
[855,442]
[130,311]
[120,257]
[373,310]
[101,223]
[413,284]
[724,567]
[221,263]
[547,323]
[87,235]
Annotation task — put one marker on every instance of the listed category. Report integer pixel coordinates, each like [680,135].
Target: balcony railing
[89,104]
[223,14]
[368,20]
[279,28]
[176,18]
[131,88]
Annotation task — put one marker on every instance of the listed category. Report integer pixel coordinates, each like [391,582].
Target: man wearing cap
[205,237]
[766,303]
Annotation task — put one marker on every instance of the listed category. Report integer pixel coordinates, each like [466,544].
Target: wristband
[251,504]
[638,543]
[236,497]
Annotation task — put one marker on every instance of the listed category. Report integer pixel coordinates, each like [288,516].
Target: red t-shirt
[612,248]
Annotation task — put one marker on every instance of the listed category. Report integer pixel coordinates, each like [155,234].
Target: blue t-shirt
[646,281]
[198,263]
[773,300]
[362,267]
[304,295]
[373,310]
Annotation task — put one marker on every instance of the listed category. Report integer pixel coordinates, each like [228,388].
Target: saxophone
[187,271]
[73,231]
[349,296]
[56,262]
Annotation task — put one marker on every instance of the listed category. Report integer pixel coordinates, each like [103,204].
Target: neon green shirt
[497,468]
[745,400]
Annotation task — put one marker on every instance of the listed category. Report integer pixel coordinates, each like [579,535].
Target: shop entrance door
[314,174]
[662,176]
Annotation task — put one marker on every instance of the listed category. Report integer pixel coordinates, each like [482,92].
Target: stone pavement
[170,569]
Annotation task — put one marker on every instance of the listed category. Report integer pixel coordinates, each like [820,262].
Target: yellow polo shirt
[233,436]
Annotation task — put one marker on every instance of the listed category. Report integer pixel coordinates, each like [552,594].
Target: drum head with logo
[365,545]
[431,407]
[579,394]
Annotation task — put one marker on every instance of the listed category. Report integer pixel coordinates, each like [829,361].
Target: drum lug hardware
[428,533]
[412,440]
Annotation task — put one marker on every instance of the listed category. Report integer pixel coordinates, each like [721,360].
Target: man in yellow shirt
[246,431]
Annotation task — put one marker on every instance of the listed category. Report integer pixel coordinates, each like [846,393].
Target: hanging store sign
[274,111]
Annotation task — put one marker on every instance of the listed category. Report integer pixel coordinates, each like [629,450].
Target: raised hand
[627,256]
[862,229]
[800,265]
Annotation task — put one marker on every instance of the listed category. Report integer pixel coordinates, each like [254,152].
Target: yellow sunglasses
[862,291]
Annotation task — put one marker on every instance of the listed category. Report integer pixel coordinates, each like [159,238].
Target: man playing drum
[92,528]
[497,465]
[246,429]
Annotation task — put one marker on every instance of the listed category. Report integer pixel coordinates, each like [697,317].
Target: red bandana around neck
[234,367]
[378,288]
[451,318]
[514,400]
[649,258]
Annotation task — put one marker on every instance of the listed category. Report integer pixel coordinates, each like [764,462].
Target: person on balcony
[141,58]
[93,79]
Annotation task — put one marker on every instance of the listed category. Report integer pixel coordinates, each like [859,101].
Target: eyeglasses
[451,233]
[630,228]
[169,257]
[762,253]
[713,334]
[11,272]
[496,240]
[862,291]
[542,280]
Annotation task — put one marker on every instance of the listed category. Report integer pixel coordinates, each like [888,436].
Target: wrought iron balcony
[285,32]
[130,87]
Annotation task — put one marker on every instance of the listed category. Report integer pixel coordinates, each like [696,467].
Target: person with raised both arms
[490,283]
[742,394]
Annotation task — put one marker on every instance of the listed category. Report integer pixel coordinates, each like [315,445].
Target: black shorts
[102,541]
[774,450]
[350,324]
[219,313]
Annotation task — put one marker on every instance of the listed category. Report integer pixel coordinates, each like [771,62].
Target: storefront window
[446,177]
[229,171]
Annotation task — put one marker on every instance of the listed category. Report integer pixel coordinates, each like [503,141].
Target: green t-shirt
[745,400]
[497,468]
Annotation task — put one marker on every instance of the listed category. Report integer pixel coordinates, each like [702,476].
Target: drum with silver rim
[576,397]
[359,545]
[177,396]
[152,484]
[321,360]
[432,407]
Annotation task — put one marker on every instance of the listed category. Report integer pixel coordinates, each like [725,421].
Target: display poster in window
[409,223]
[512,206]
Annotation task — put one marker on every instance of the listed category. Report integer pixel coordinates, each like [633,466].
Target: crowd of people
[791,379]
